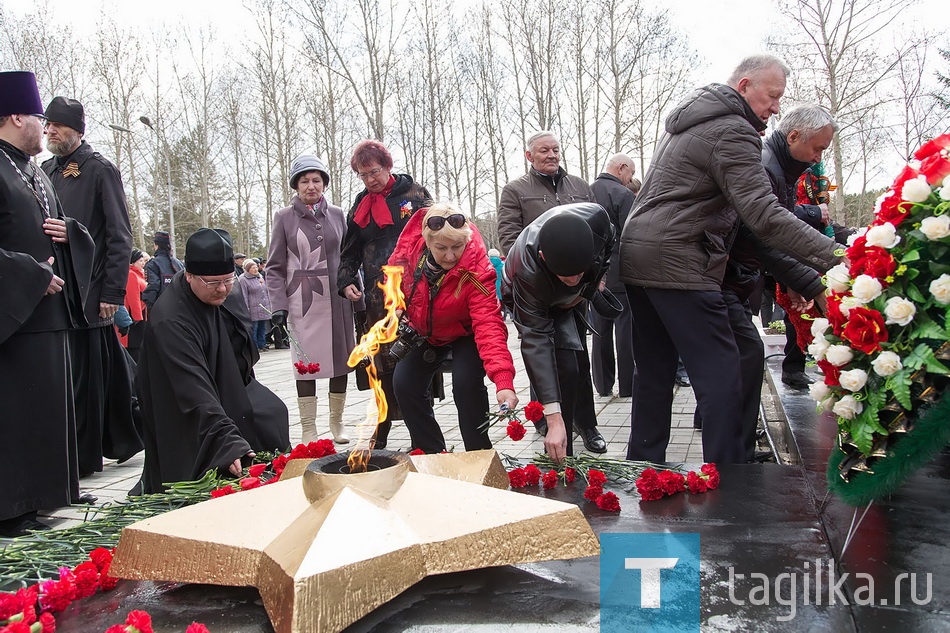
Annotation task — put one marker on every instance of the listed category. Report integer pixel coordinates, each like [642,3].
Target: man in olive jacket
[673,254]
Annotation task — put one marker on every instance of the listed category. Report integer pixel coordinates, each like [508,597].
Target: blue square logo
[649,583]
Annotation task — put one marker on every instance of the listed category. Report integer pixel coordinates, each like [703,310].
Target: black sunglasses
[436,222]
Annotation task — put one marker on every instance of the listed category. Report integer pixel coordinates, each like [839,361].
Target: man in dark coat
[202,408]
[44,278]
[611,192]
[90,190]
[553,268]
[160,269]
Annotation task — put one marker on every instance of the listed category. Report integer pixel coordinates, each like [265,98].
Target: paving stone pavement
[275,371]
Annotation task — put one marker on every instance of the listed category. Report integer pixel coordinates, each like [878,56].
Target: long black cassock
[90,190]
[37,430]
[202,408]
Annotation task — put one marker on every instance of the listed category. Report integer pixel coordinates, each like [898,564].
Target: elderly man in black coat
[202,408]
[90,190]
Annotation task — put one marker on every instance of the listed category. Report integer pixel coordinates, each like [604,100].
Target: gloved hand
[279,318]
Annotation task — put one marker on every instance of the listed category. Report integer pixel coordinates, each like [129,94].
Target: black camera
[407,339]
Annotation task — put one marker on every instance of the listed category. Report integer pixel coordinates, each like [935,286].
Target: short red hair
[368,152]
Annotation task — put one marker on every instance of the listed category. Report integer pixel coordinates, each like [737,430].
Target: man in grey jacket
[707,171]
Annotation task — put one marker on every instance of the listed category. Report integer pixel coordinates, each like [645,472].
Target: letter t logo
[650,578]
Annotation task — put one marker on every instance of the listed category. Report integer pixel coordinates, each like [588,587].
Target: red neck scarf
[374,205]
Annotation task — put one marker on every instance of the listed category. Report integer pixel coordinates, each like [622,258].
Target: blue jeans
[259,332]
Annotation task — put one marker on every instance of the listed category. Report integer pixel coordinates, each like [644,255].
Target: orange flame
[383,331]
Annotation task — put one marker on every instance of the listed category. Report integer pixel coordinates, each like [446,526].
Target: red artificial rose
[279,464]
[671,482]
[56,595]
[256,470]
[907,173]
[570,475]
[865,329]
[516,478]
[141,620]
[933,146]
[86,577]
[196,627]
[831,373]
[695,483]
[593,492]
[870,260]
[101,557]
[549,480]
[223,491]
[596,477]
[935,168]
[516,430]
[892,210]
[836,317]
[609,502]
[534,411]
[16,627]
[48,622]
[532,474]
[712,474]
[249,483]
[648,485]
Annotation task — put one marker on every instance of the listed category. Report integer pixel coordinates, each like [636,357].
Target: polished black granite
[765,518]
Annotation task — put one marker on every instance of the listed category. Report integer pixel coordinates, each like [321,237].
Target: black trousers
[605,365]
[412,381]
[751,367]
[696,324]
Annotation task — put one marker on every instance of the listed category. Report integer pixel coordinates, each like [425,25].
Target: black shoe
[381,436]
[542,427]
[21,526]
[797,380]
[762,457]
[593,440]
[682,381]
[85,498]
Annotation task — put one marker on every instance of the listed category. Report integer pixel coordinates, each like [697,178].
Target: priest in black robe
[44,280]
[202,408]
[89,187]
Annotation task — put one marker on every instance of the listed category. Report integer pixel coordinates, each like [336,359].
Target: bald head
[621,167]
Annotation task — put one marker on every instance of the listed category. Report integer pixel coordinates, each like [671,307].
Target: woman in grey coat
[258,305]
[301,277]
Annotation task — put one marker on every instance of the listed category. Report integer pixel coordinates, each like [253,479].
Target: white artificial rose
[819,326]
[839,355]
[935,227]
[838,278]
[940,289]
[849,302]
[916,190]
[827,404]
[853,379]
[866,288]
[945,192]
[819,391]
[887,364]
[854,236]
[819,347]
[883,235]
[848,407]
[899,310]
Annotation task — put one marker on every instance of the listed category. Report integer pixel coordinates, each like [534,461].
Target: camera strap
[433,287]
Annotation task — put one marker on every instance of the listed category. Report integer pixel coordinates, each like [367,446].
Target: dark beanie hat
[209,252]
[68,112]
[19,94]
[136,255]
[567,244]
[161,239]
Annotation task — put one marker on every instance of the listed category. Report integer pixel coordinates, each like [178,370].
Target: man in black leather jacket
[555,266]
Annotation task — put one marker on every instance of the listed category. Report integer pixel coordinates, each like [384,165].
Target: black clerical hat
[209,252]
[19,94]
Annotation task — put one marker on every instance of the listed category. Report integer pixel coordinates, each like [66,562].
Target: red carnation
[56,595]
[695,483]
[609,502]
[417,451]
[301,367]
[596,477]
[712,473]
[117,628]
[48,622]
[256,470]
[279,463]
[865,329]
[671,482]
[101,557]
[16,627]
[593,493]
[570,475]
[321,448]
[107,582]
[532,474]
[313,368]
[249,483]
[534,411]
[299,452]
[196,627]
[86,578]
[648,485]
[10,605]
[549,480]
[516,430]
[516,478]
[140,620]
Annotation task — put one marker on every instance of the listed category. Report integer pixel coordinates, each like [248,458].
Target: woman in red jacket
[133,302]
[449,285]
